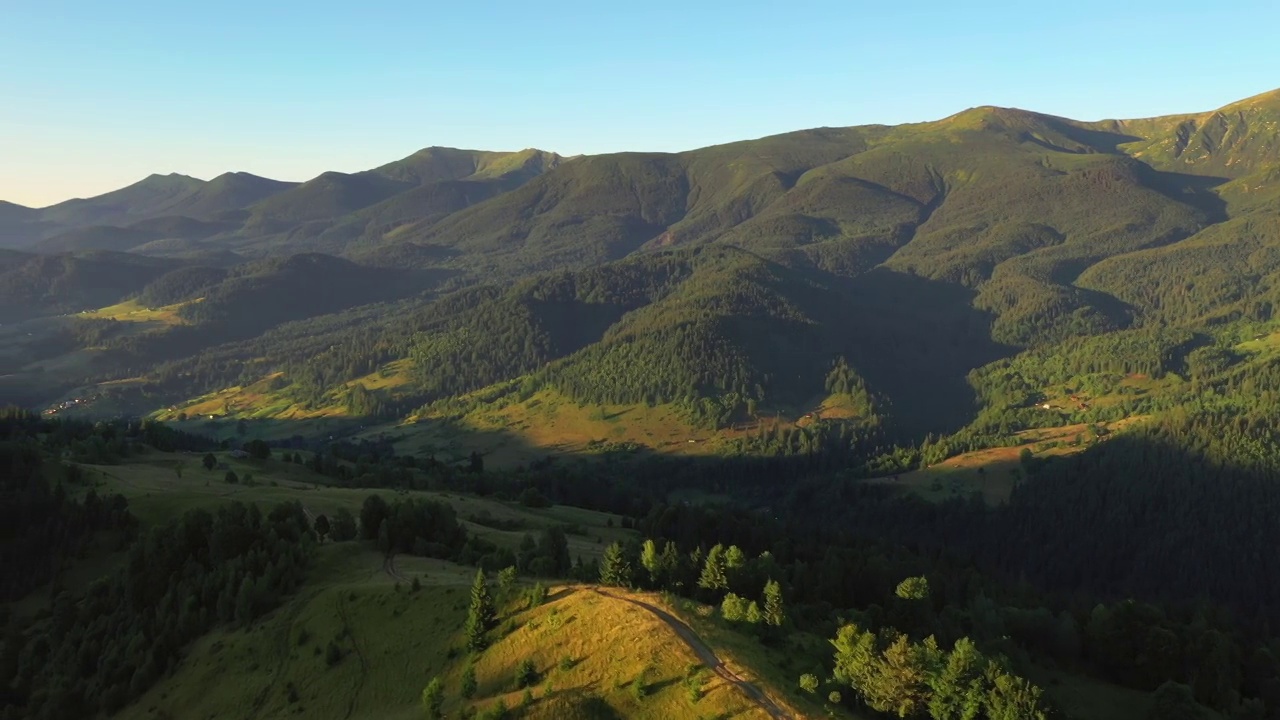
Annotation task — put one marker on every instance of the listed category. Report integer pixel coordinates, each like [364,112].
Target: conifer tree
[670,563]
[774,615]
[469,685]
[733,608]
[481,616]
[959,690]
[433,700]
[652,562]
[714,577]
[614,568]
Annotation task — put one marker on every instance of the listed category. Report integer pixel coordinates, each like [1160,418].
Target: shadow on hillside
[915,340]
[1174,534]
[1198,191]
[1103,140]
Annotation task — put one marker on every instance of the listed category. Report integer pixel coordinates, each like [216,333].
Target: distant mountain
[335,210]
[96,237]
[182,227]
[226,193]
[147,197]
[1021,229]
[1234,141]
[34,285]
[19,226]
[96,223]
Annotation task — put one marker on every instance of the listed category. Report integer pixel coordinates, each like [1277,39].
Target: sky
[96,95]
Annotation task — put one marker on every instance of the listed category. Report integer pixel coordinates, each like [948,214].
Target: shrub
[469,681]
[537,595]
[497,711]
[526,674]
[333,654]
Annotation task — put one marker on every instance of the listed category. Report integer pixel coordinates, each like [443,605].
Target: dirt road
[706,655]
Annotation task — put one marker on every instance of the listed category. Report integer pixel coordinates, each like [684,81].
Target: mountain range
[998,229]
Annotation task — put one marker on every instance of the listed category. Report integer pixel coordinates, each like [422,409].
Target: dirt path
[706,655]
[389,567]
[364,665]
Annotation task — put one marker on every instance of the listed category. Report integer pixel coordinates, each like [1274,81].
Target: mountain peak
[1268,100]
[170,180]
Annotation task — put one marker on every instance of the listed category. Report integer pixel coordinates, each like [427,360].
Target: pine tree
[469,684]
[614,568]
[734,558]
[713,575]
[481,616]
[433,699]
[774,615]
[506,581]
[899,686]
[670,564]
[959,690]
[1013,698]
[913,588]
[652,562]
[754,616]
[734,608]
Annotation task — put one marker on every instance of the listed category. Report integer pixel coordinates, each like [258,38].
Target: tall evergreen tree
[1013,698]
[670,564]
[714,576]
[433,700]
[614,568]
[774,614]
[959,690]
[651,560]
[481,616]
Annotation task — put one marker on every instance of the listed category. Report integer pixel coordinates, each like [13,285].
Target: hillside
[343,582]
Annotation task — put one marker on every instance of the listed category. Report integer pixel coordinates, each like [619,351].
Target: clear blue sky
[95,95]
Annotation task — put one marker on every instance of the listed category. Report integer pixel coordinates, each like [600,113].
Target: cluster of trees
[418,527]
[891,674]
[42,527]
[100,649]
[735,608]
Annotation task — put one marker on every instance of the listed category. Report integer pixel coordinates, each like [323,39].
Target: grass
[130,311]
[776,668]
[509,431]
[588,646]
[994,472]
[587,650]
[1082,697]
[156,493]
[391,642]
[594,656]
[260,400]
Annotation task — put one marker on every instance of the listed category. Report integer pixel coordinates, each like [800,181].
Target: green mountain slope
[1237,140]
[96,237]
[44,284]
[915,253]
[148,196]
[335,210]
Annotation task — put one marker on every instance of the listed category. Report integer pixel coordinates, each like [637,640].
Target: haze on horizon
[95,97]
